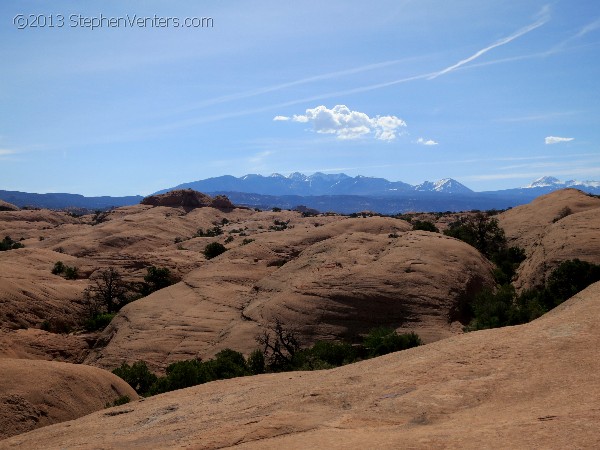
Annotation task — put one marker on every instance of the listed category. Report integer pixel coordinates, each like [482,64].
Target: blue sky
[493,94]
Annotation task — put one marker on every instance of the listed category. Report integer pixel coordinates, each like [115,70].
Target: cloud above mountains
[348,124]
[422,141]
[557,140]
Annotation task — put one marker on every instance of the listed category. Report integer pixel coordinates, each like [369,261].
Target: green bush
[98,321]
[256,362]
[58,268]
[212,232]
[71,273]
[381,341]
[8,244]
[480,231]
[503,307]
[213,250]
[138,376]
[425,225]
[122,400]
[156,278]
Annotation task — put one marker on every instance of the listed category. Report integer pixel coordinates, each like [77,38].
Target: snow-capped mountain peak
[446,185]
[545,182]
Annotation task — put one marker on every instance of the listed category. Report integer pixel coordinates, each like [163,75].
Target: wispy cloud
[577,172]
[538,117]
[347,124]
[259,157]
[423,141]
[538,23]
[281,118]
[557,140]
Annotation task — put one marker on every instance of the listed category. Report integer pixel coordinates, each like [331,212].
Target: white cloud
[281,118]
[556,140]
[348,124]
[426,141]
[6,151]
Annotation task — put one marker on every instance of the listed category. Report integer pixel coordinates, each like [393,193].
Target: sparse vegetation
[425,225]
[485,234]
[122,400]
[107,292]
[246,241]
[564,212]
[211,232]
[280,351]
[492,309]
[213,250]
[8,244]
[279,225]
[100,217]
[98,321]
[70,273]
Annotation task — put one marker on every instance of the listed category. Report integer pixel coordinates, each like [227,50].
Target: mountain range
[327,192]
[318,184]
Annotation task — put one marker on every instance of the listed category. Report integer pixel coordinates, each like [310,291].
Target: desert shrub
[226,364]
[138,376]
[480,231]
[277,263]
[381,341]
[279,345]
[493,309]
[98,321]
[503,307]
[325,355]
[246,241]
[156,278]
[99,217]
[212,232]
[213,250]
[107,292]
[256,362]
[569,278]
[122,400]
[507,261]
[229,239]
[8,244]
[425,225]
[58,268]
[279,225]
[564,212]
[276,209]
[71,273]
[57,325]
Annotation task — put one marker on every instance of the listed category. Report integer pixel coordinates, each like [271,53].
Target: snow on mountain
[555,183]
[545,182]
[446,185]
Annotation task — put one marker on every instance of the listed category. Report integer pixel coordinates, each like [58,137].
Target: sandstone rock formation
[530,386]
[5,206]
[188,198]
[332,281]
[555,227]
[34,394]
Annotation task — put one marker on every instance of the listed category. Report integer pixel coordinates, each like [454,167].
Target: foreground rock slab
[35,393]
[531,386]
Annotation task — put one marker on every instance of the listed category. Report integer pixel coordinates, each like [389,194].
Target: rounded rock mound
[36,393]
[188,198]
[5,206]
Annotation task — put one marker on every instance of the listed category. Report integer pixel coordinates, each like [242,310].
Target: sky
[113,98]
